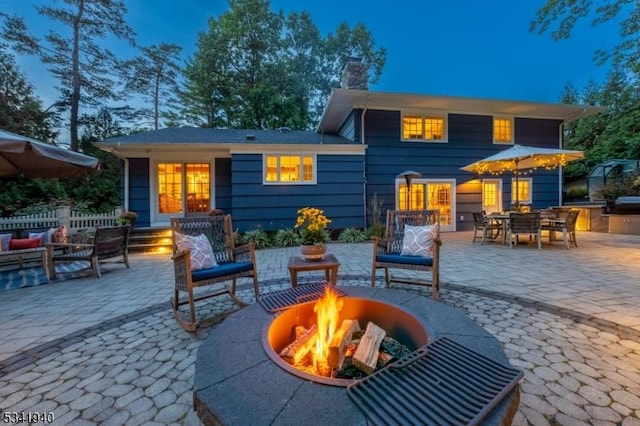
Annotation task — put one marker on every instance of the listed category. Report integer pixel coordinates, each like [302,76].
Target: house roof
[343,101]
[197,135]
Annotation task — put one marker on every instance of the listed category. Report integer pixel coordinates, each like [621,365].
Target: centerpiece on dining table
[312,226]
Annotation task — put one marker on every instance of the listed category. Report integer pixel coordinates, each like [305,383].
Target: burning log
[341,338]
[366,355]
[299,331]
[295,351]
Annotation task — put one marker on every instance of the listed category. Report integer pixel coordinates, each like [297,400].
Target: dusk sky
[463,48]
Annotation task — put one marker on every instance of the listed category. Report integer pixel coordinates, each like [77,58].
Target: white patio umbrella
[518,158]
[35,159]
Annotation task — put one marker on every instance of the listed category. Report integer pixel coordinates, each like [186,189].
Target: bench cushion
[403,259]
[223,269]
[25,243]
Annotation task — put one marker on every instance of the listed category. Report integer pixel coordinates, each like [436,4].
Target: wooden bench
[108,242]
[19,259]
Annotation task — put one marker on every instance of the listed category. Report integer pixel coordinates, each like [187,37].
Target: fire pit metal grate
[441,383]
[284,299]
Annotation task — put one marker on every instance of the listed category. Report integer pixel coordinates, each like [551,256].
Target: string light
[498,167]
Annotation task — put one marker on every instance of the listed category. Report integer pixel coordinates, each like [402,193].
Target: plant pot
[313,252]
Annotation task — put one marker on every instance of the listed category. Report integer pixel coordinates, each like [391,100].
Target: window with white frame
[424,127]
[524,190]
[289,169]
[503,130]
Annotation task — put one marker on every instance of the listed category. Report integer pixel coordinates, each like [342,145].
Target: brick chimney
[355,75]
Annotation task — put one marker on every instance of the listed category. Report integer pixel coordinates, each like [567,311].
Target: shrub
[619,188]
[257,236]
[237,238]
[375,231]
[352,235]
[127,218]
[576,193]
[286,238]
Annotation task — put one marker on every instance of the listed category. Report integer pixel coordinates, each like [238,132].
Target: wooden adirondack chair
[388,252]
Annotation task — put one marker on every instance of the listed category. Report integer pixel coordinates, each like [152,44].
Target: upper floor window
[426,127]
[502,130]
[279,168]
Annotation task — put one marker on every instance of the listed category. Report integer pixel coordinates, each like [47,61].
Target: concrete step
[150,240]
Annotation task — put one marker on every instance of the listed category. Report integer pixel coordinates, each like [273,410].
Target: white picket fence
[61,216]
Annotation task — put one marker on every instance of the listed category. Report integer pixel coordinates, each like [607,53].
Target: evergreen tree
[99,191]
[83,68]
[154,75]
[20,111]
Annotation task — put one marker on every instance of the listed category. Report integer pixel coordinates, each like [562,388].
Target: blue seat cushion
[407,260]
[221,270]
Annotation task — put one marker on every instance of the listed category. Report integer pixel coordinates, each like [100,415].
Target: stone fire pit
[237,383]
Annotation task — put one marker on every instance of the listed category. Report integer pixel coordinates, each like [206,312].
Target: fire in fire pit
[338,340]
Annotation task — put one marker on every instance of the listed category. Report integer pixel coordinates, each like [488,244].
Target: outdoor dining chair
[567,226]
[485,226]
[524,223]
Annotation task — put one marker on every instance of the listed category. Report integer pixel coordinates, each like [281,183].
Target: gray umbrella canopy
[35,159]
[520,157]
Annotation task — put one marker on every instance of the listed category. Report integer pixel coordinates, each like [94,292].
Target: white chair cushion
[202,256]
[418,240]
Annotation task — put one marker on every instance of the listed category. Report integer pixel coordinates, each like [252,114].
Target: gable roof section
[343,101]
[197,135]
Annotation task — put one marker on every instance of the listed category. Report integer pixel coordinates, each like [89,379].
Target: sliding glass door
[183,189]
[431,194]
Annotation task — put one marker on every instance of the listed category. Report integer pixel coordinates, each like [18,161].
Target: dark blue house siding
[222,189]
[350,129]
[339,192]
[140,190]
[470,138]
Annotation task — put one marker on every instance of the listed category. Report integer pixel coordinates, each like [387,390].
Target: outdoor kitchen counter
[237,383]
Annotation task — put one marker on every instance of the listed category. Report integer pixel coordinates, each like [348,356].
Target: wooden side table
[329,264]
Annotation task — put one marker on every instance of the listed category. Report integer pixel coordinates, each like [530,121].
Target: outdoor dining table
[503,220]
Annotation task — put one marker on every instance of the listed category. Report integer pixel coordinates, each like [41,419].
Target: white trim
[154,150]
[355,149]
